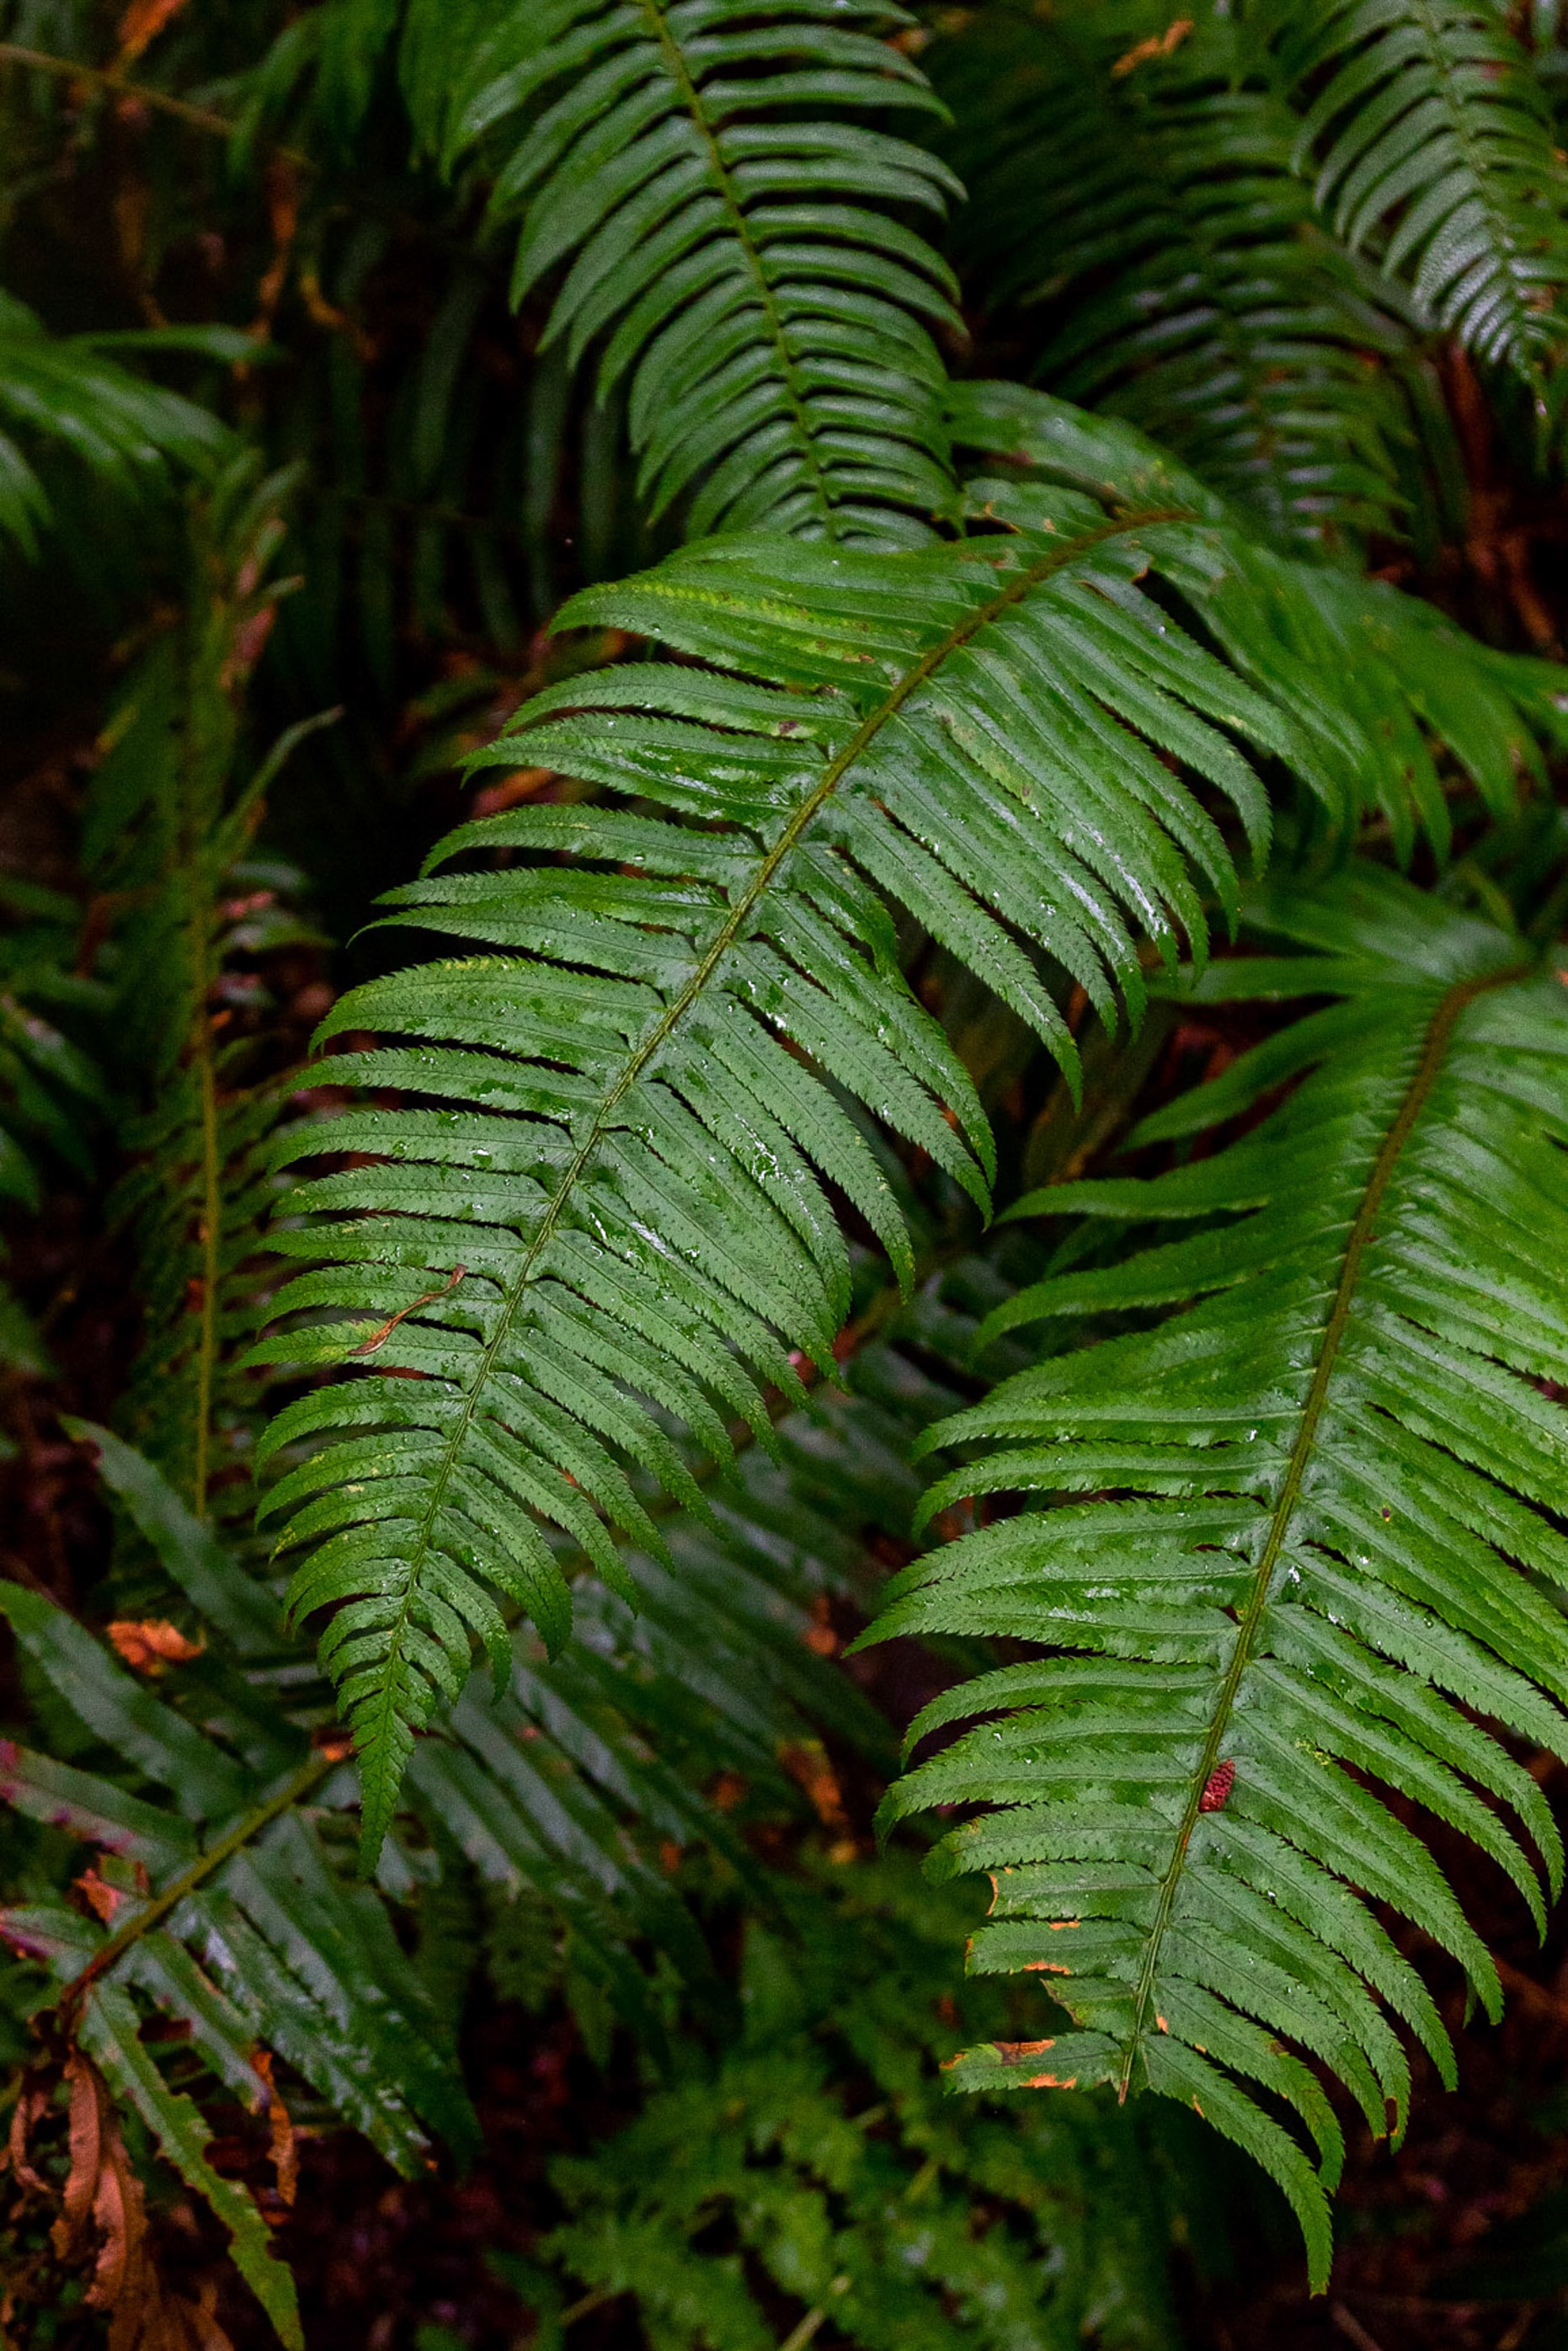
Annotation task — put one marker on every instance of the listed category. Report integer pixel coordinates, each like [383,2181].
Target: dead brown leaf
[285,2148]
[149,1647]
[1158,44]
[142,22]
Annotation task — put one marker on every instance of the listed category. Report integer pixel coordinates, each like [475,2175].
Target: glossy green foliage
[1395,711]
[1134,193]
[1429,145]
[1302,1526]
[218,1830]
[619,1211]
[72,393]
[817,2159]
[733,227]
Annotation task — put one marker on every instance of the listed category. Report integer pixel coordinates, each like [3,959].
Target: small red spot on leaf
[1221,1780]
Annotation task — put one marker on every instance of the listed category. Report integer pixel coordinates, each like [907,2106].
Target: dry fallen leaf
[284,2147]
[142,23]
[148,1647]
[102,1899]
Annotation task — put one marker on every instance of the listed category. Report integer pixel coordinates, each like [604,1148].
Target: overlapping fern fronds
[1431,146]
[215,1823]
[1402,708]
[733,226]
[1128,173]
[617,1211]
[219,1907]
[1317,1547]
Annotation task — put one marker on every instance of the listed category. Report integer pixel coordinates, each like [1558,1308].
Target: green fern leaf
[736,242]
[1324,1546]
[1432,150]
[1149,190]
[621,1215]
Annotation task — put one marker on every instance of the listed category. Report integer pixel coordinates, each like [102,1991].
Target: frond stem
[1362,1231]
[196,1873]
[1022,584]
[201,118]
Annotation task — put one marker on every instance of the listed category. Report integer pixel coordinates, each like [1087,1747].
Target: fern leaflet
[72,393]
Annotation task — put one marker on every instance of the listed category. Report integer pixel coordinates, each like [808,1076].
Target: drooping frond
[1431,148]
[732,224]
[612,1209]
[1401,707]
[221,1910]
[70,391]
[1319,1537]
[1136,194]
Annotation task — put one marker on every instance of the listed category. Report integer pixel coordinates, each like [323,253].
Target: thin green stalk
[196,1873]
[210,1227]
[201,118]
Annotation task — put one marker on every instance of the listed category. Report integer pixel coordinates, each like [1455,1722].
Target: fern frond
[733,226]
[1432,150]
[169,818]
[223,1912]
[1397,704]
[214,1829]
[71,392]
[619,1214]
[1151,208]
[1326,1544]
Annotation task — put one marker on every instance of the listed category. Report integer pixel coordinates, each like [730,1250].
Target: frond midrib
[1439,1033]
[691,97]
[1023,582]
[1482,177]
[195,1873]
